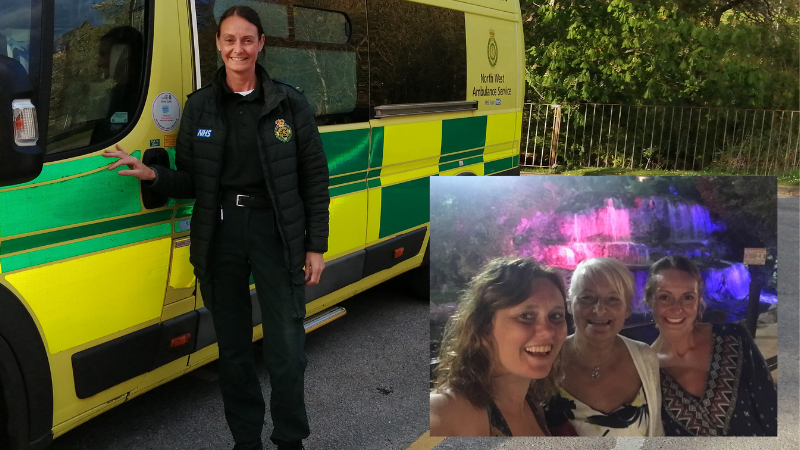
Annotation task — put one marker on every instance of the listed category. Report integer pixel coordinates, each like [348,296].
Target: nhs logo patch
[203,133]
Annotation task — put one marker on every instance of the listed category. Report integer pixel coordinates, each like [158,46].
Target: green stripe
[376,153]
[404,205]
[70,234]
[47,255]
[341,190]
[454,164]
[346,179]
[184,211]
[499,165]
[463,134]
[515,163]
[72,167]
[347,151]
[96,196]
[373,182]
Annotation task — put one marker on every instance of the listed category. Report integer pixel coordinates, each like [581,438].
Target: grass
[791,178]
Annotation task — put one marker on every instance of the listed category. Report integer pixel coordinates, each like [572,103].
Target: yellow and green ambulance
[98,302]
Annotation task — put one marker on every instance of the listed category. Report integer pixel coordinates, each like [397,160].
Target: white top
[628,420]
[646,361]
[243,93]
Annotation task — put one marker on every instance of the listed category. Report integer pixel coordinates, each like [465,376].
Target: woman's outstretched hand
[136,168]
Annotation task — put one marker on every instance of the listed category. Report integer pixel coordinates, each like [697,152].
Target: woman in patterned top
[714,381]
[499,357]
[611,382]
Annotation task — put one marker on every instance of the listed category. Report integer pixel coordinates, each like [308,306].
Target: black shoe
[297,445]
[257,445]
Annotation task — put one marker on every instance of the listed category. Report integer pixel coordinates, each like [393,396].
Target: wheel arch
[26,383]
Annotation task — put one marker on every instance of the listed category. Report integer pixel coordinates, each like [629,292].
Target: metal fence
[736,141]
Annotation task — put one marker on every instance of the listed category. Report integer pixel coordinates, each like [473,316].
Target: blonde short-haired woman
[611,384]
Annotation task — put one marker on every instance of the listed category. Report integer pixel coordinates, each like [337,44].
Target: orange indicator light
[180,341]
[398,252]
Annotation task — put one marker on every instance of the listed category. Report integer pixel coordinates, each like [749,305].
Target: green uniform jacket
[296,171]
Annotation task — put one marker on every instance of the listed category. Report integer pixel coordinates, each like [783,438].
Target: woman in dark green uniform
[249,152]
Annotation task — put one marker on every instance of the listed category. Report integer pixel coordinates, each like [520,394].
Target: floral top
[631,419]
[739,397]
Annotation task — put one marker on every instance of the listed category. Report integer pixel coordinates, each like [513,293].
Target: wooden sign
[755,256]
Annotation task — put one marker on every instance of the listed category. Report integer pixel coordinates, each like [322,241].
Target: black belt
[248,201]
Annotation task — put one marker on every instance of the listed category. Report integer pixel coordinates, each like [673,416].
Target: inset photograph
[603,306]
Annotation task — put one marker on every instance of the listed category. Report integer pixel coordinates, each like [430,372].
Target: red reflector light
[180,341]
[398,252]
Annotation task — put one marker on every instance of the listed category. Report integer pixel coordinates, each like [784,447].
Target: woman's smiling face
[599,310]
[239,44]
[527,337]
[676,302]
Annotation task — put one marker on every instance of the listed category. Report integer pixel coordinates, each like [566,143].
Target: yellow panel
[486,83]
[88,298]
[178,308]
[204,356]
[410,142]
[181,271]
[348,223]
[374,212]
[61,428]
[500,129]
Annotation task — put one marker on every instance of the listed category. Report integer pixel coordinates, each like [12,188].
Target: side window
[319,46]
[418,53]
[99,58]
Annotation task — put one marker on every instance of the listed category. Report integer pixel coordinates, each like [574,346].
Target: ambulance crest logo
[491,50]
[282,131]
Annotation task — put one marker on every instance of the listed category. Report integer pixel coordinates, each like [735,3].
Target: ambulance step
[323,318]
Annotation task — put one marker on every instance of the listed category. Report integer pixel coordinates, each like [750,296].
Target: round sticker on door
[166,111]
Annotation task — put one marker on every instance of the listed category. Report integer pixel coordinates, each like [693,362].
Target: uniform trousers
[246,241]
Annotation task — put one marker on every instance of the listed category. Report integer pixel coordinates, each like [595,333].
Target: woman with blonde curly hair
[499,360]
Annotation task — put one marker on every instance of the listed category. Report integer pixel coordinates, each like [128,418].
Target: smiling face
[676,302]
[598,309]
[527,337]
[239,44]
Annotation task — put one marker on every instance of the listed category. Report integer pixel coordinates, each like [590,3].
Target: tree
[667,52]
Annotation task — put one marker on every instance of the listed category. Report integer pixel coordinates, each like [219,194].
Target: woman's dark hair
[245,12]
[681,263]
[466,355]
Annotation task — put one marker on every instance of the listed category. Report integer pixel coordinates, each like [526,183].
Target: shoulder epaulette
[296,88]
[200,89]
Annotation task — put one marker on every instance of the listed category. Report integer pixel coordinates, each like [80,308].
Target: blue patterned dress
[739,398]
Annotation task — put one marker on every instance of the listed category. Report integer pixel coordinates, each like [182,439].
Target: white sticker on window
[166,111]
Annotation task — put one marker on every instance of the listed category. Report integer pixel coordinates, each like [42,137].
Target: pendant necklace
[595,369]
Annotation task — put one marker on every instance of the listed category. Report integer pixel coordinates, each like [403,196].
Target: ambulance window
[98,73]
[417,54]
[319,46]
[314,25]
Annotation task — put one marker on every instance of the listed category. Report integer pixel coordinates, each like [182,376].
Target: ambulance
[98,301]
